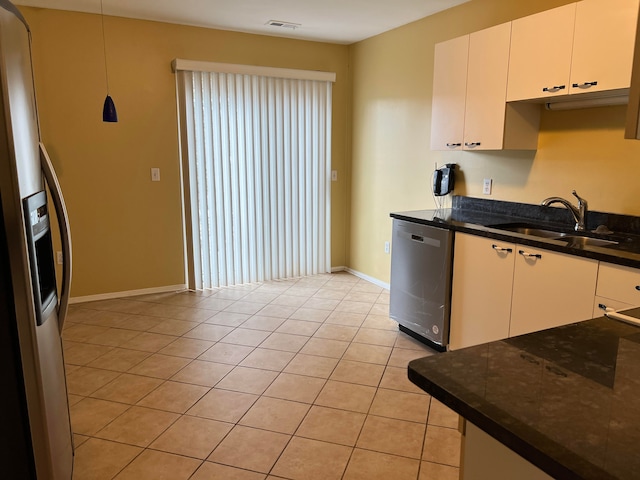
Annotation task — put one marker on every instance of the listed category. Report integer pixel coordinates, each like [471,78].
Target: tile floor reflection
[300,379]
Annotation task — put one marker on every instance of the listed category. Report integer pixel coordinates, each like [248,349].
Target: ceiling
[334,21]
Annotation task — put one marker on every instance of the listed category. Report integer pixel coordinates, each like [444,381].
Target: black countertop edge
[445,218]
[522,447]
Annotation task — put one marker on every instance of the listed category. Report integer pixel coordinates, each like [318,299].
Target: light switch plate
[155,174]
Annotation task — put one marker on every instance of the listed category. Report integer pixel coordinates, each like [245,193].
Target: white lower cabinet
[502,289]
[550,289]
[618,288]
[481,292]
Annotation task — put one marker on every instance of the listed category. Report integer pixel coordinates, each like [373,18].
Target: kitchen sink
[573,239]
[536,232]
[531,229]
[583,241]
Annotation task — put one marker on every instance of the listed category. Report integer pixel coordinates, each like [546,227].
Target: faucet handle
[581,200]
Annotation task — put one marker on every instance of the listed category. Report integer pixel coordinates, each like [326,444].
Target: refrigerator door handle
[65,232]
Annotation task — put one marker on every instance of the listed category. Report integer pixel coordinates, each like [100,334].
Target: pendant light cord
[104,47]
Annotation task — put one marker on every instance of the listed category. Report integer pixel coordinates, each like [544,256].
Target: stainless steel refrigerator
[35,432]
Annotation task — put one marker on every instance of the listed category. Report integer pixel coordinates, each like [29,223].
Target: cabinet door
[449,89]
[550,289]
[603,45]
[487,88]
[619,283]
[481,290]
[540,57]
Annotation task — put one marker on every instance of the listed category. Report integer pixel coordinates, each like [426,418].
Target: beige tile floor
[301,380]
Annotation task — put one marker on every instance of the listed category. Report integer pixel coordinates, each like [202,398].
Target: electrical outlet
[155,174]
[387,247]
[59,258]
[334,175]
[486,186]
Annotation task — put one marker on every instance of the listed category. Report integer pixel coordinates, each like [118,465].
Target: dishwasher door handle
[417,238]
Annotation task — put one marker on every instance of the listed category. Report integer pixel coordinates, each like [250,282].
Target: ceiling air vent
[278,23]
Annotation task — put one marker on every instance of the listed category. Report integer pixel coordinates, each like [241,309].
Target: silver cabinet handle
[638,287]
[529,255]
[501,249]
[471,144]
[554,89]
[584,85]
[453,145]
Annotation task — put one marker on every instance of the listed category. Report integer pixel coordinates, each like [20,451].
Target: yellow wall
[391,161]
[127,231]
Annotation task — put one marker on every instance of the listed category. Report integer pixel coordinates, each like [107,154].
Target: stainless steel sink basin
[527,229]
[536,232]
[573,239]
[583,241]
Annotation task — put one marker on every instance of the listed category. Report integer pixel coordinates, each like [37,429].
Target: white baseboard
[375,281]
[129,293]
[181,287]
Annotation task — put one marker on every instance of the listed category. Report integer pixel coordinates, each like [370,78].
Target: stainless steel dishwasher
[421,265]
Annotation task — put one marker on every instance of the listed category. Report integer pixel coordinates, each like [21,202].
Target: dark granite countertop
[566,399]
[477,216]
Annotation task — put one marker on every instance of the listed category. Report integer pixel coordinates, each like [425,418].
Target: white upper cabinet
[540,57]
[603,45]
[449,91]
[486,88]
[469,96]
[578,48]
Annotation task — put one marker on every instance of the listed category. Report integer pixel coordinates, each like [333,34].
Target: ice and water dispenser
[43,273]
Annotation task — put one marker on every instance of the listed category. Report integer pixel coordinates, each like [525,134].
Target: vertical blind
[256,171]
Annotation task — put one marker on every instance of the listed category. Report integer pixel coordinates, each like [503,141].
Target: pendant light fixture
[109,113]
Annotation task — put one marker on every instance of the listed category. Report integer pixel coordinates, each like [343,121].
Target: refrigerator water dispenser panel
[43,274]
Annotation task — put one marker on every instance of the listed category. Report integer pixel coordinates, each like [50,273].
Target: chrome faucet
[579,213]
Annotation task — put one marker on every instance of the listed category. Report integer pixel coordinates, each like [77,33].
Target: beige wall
[392,163]
[127,231]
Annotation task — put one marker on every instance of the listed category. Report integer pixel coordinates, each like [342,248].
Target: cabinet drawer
[619,283]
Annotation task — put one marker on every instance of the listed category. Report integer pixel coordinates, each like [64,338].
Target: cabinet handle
[638,287]
[471,144]
[529,255]
[554,89]
[501,249]
[450,145]
[584,85]
[602,306]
